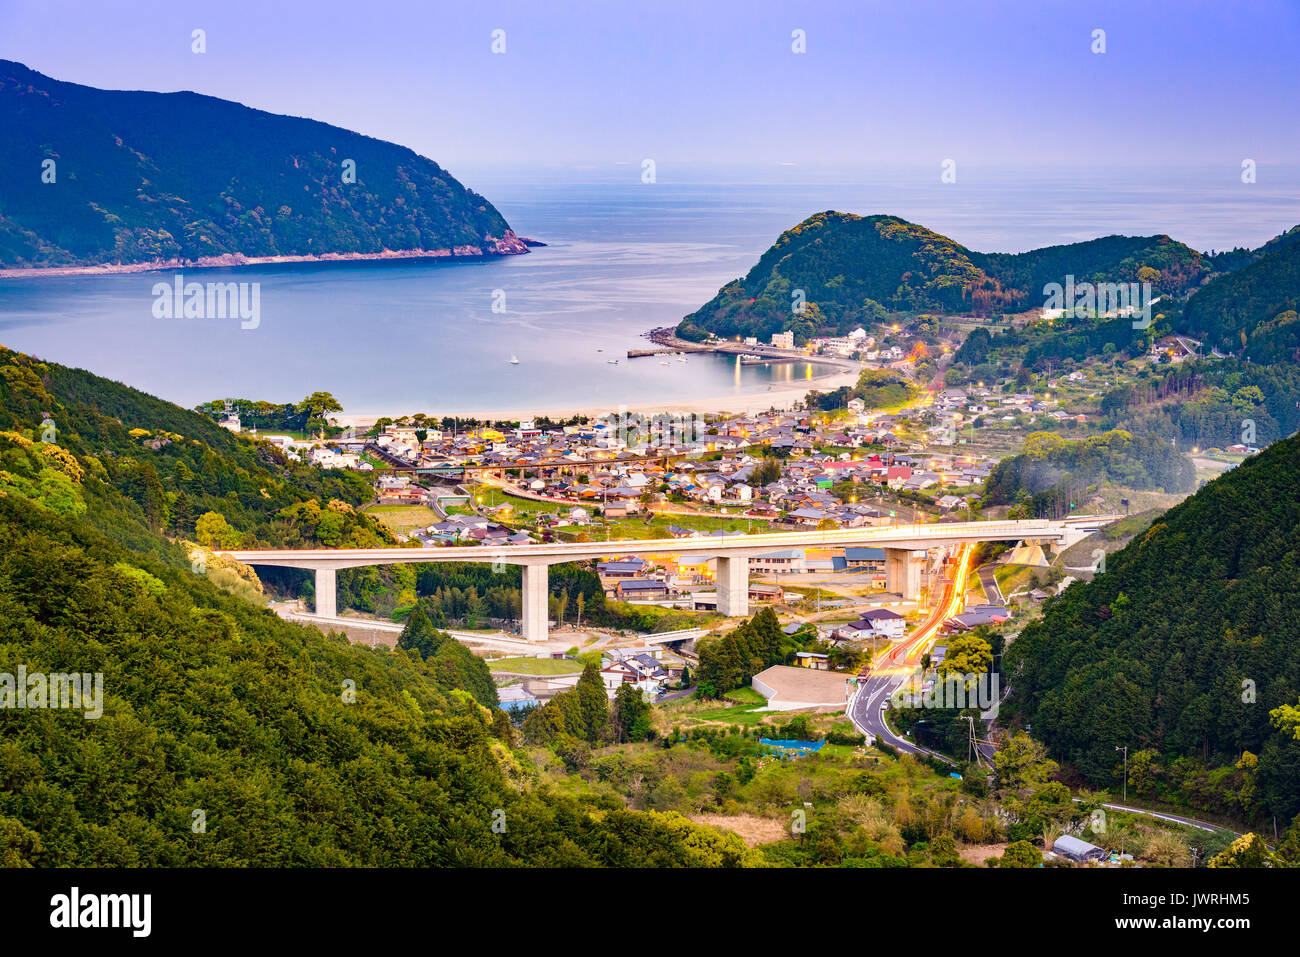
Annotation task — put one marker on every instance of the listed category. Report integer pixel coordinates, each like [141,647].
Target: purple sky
[716,81]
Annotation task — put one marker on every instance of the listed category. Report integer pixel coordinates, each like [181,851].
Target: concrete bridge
[904,545]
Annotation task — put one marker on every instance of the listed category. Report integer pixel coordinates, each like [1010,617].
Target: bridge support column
[903,571]
[326,602]
[733,586]
[534,612]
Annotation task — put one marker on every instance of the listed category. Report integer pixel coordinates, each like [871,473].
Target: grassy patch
[404,519]
[535,666]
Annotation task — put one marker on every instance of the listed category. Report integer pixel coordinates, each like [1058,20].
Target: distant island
[126,181]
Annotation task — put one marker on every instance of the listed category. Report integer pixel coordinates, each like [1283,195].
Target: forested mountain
[140,176]
[148,465]
[1182,650]
[1253,309]
[1051,472]
[229,736]
[1210,404]
[854,269]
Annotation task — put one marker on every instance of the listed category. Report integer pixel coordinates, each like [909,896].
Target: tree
[419,635]
[1143,766]
[1246,851]
[593,703]
[943,851]
[153,499]
[315,407]
[1020,854]
[631,714]
[765,473]
[968,654]
[1023,763]
[214,531]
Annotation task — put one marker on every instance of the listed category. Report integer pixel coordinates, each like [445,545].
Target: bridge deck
[731,545]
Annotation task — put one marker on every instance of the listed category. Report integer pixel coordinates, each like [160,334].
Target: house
[978,615]
[644,589]
[809,516]
[640,670]
[810,659]
[786,562]
[864,557]
[884,622]
[622,568]
[773,594]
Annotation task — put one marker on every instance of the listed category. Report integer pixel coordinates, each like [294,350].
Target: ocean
[623,256]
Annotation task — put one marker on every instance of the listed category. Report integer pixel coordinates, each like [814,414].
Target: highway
[900,663]
[918,536]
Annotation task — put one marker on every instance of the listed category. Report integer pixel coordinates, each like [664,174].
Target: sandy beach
[784,398]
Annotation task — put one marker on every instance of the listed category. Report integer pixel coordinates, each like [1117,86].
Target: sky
[717,81]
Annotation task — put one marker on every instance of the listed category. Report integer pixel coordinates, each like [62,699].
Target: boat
[663,363]
[514,359]
[681,357]
[612,362]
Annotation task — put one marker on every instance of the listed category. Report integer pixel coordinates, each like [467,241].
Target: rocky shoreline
[508,245]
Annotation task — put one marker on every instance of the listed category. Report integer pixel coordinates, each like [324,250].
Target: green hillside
[1182,649]
[231,737]
[295,748]
[149,466]
[853,270]
[160,176]
[1253,308]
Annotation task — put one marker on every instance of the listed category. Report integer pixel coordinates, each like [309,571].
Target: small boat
[514,360]
[612,362]
[681,357]
[663,363]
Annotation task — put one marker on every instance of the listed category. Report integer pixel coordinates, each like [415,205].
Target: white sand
[783,398]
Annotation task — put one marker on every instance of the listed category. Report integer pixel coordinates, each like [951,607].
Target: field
[525,511]
[404,519]
[535,666]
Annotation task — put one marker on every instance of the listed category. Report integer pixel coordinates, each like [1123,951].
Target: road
[990,583]
[865,708]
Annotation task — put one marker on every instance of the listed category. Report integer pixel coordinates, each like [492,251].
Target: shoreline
[735,403]
[508,245]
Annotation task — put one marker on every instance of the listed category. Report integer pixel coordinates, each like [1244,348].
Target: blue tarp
[796,747]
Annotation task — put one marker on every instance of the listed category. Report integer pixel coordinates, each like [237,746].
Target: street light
[1125,750]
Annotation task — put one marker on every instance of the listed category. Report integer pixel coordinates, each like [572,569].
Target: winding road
[866,707]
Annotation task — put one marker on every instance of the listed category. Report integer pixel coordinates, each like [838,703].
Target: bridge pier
[533,614]
[326,591]
[733,586]
[903,571]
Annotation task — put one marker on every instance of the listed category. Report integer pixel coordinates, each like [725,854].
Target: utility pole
[1125,750]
